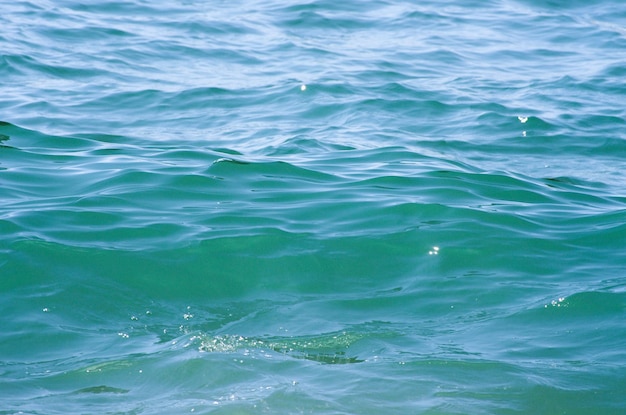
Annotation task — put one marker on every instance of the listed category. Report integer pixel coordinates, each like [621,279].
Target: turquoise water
[383,207]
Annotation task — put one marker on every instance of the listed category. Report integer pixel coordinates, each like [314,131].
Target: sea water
[314,207]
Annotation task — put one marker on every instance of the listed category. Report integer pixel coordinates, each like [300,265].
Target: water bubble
[303,87]
[557,303]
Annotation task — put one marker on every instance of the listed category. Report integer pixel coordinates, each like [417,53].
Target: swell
[115,190]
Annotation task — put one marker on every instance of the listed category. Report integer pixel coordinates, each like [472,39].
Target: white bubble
[557,303]
[303,87]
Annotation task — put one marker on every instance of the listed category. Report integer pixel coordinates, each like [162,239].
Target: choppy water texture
[325,207]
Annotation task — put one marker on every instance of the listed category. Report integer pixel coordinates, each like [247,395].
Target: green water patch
[329,348]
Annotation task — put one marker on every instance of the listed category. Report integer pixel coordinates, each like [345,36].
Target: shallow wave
[109,191]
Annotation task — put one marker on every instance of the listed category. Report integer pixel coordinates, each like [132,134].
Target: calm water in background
[383,207]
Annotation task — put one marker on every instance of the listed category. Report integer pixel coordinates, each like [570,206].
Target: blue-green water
[383,207]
